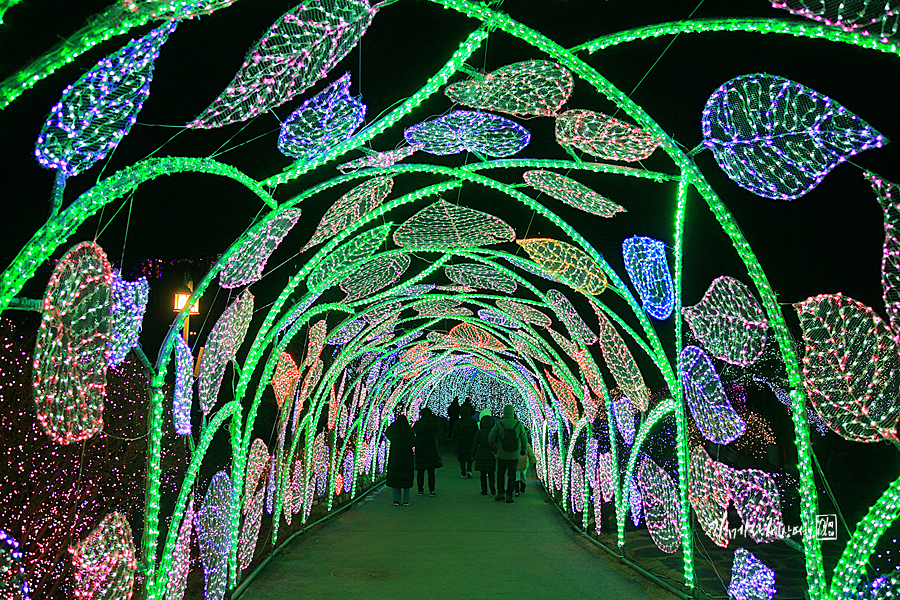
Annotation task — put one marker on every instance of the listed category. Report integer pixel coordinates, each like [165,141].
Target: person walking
[466,429]
[483,454]
[453,416]
[401,461]
[508,434]
[428,455]
[525,461]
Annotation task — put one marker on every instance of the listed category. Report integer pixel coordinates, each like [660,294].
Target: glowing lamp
[182,297]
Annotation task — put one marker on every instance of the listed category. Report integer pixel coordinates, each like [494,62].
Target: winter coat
[466,428]
[508,422]
[525,459]
[428,455]
[482,450]
[401,464]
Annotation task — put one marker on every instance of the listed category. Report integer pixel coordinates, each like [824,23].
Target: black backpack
[509,440]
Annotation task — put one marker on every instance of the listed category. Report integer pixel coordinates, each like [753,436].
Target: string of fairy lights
[402,341]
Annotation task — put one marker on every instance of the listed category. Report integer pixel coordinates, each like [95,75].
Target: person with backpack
[483,455]
[509,436]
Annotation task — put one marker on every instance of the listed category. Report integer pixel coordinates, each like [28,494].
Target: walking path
[458,544]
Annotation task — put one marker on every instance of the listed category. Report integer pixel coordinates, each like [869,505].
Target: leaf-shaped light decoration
[705,396]
[875,19]
[709,492]
[500,319]
[851,367]
[221,348]
[603,136]
[567,263]
[750,578]
[777,138]
[524,312]
[565,397]
[129,301]
[250,529]
[593,378]
[246,264]
[479,275]
[352,206]
[375,275]
[468,131]
[70,357]
[284,381]
[104,562]
[310,381]
[660,495]
[888,195]
[212,522]
[645,262]
[572,193]
[577,487]
[316,341]
[729,322]
[181,555]
[98,110]
[635,501]
[624,415]
[183,397]
[322,122]
[300,48]
[466,335]
[569,316]
[563,342]
[758,503]
[379,159]
[621,363]
[347,258]
[256,468]
[533,88]
[605,479]
[528,346]
[346,332]
[445,225]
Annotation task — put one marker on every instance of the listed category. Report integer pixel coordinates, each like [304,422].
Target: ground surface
[458,544]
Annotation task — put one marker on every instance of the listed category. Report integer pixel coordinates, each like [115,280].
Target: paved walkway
[458,544]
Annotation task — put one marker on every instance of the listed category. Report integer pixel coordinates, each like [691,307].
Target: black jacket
[428,456]
[401,464]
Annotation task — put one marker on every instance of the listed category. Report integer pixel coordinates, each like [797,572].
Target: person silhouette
[428,455]
[401,461]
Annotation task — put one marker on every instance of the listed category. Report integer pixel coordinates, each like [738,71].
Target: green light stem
[763,26]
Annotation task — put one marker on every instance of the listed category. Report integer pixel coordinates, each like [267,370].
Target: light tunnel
[517,230]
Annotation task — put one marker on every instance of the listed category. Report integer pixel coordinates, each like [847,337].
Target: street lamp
[182,296]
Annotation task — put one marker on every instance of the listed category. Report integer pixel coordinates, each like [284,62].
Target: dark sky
[828,241]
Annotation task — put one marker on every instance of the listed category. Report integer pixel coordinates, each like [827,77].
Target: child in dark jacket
[483,455]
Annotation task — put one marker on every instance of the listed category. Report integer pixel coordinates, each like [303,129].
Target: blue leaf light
[322,122]
[705,397]
[98,110]
[777,138]
[645,261]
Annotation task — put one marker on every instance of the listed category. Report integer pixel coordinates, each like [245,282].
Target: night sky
[828,241]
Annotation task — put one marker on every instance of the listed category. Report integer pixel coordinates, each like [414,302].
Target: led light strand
[729,322]
[533,88]
[572,193]
[129,301]
[645,262]
[300,48]
[322,122]
[469,131]
[603,136]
